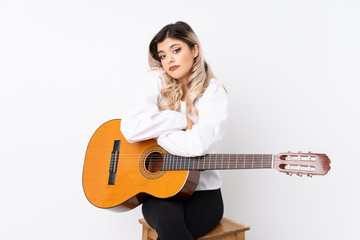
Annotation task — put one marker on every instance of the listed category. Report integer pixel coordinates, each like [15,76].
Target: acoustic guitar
[119,175]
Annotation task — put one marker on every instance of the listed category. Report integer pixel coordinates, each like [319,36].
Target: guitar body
[119,175]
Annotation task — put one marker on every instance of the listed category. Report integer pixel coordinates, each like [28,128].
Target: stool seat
[227,229]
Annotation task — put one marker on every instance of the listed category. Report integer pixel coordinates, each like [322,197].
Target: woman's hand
[190,124]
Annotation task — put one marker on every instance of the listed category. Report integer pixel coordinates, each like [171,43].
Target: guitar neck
[217,162]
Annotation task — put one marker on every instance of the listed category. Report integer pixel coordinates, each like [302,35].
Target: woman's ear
[195,51]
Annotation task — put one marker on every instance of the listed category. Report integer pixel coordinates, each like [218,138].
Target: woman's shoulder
[214,93]
[215,87]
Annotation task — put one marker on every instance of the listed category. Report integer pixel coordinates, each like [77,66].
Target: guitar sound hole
[154,162]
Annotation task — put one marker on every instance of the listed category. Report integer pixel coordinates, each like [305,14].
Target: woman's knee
[162,212]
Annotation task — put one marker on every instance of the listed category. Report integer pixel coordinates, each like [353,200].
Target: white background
[291,69]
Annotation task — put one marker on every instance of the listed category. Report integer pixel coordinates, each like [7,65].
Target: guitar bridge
[114,162]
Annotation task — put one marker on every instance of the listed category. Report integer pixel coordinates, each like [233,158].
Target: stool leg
[240,236]
[145,233]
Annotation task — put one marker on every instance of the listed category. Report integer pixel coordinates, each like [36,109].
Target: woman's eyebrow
[174,45]
[169,47]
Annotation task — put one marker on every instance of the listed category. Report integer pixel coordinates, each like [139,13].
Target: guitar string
[130,161]
[231,158]
[132,157]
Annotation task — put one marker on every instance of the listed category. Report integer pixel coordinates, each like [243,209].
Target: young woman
[185,108]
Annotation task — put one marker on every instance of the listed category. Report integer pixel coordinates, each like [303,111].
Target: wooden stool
[227,229]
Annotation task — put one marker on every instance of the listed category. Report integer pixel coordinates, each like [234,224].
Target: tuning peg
[309,152]
[299,174]
[289,173]
[299,151]
[309,175]
[289,151]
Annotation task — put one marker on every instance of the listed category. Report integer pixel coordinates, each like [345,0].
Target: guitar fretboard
[217,162]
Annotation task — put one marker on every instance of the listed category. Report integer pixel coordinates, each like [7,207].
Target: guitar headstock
[302,163]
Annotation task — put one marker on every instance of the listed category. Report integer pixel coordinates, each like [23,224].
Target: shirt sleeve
[142,119]
[209,130]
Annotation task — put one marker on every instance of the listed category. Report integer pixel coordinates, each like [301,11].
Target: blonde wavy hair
[199,80]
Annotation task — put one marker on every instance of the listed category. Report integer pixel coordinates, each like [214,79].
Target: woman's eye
[162,57]
[177,50]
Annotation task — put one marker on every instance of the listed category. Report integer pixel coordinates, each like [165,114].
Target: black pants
[187,220]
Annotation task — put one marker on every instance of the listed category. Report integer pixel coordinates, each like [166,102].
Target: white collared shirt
[143,120]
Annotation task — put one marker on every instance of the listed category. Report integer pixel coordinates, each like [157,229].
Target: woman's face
[177,58]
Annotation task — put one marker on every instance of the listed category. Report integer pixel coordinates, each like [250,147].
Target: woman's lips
[173,68]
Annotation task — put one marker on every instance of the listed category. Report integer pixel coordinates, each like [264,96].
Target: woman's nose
[170,59]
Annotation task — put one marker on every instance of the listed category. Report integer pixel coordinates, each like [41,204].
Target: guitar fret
[165,162]
[163,167]
[210,161]
[169,164]
[177,162]
[180,162]
[174,163]
[222,160]
[229,162]
[215,161]
[203,167]
[252,163]
[168,158]
[168,161]
[244,161]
